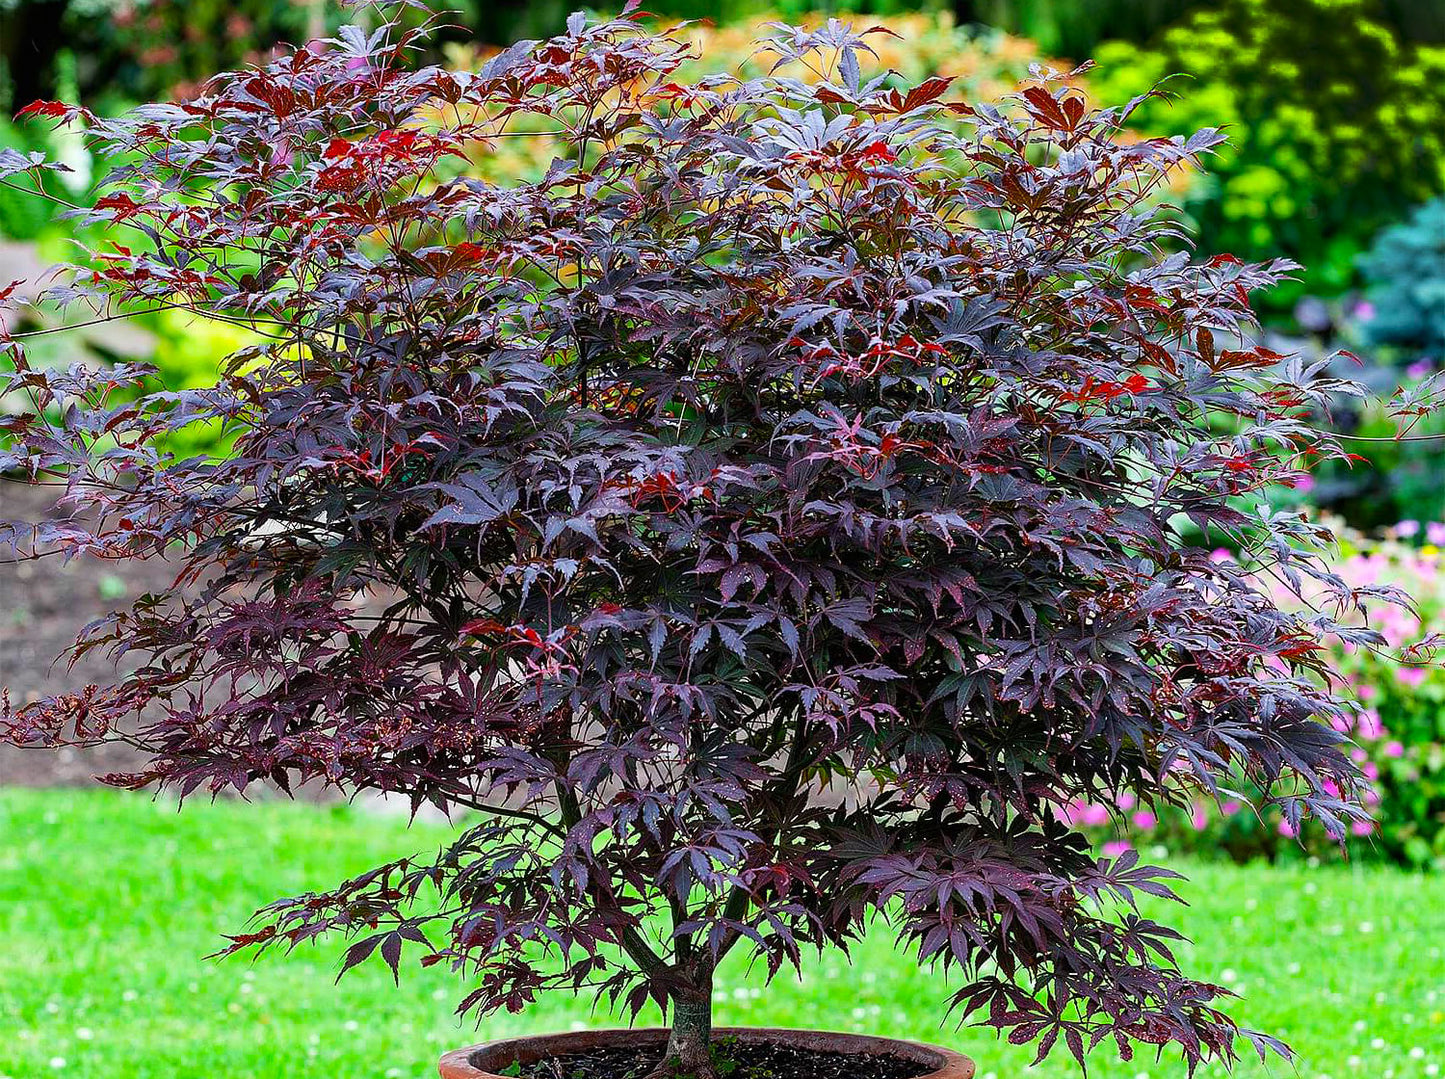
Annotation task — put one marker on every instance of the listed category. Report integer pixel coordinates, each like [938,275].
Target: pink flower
[1435,533]
[1366,692]
[1199,817]
[1372,773]
[1145,821]
[1359,756]
[1410,676]
[1371,797]
[1286,830]
[1304,484]
[1363,570]
[1407,528]
[1394,749]
[1126,801]
[1368,724]
[1418,369]
[1094,815]
[1221,554]
[1114,848]
[1364,311]
[1230,808]
[1362,827]
[1398,629]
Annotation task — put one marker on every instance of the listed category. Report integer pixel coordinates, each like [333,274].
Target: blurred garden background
[1336,114]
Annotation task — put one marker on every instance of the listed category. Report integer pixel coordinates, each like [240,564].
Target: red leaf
[926,91]
[879,151]
[1046,109]
[123,205]
[51,110]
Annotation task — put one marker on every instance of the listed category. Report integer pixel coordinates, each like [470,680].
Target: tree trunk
[689,1039]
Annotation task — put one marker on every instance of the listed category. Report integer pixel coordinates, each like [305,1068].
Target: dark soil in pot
[738,1053]
[735,1060]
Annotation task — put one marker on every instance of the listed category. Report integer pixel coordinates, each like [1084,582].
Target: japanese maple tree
[764,524]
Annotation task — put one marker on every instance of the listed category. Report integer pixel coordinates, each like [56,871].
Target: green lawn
[108,902]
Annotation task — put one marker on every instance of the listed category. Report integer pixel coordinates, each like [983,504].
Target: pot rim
[474,1061]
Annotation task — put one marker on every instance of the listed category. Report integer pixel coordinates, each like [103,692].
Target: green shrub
[1328,143]
[1072,28]
[1076,27]
[1406,270]
[23,216]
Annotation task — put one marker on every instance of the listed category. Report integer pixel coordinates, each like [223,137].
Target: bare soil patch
[43,604]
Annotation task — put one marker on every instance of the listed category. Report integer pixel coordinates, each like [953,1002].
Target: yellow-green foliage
[188,350]
[986,65]
[917,45]
[1337,127]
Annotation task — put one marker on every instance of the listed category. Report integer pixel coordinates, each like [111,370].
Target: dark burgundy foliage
[766,522]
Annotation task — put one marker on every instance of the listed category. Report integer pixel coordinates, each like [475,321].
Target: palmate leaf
[764,522]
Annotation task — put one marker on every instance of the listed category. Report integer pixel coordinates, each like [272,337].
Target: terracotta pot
[485,1060]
